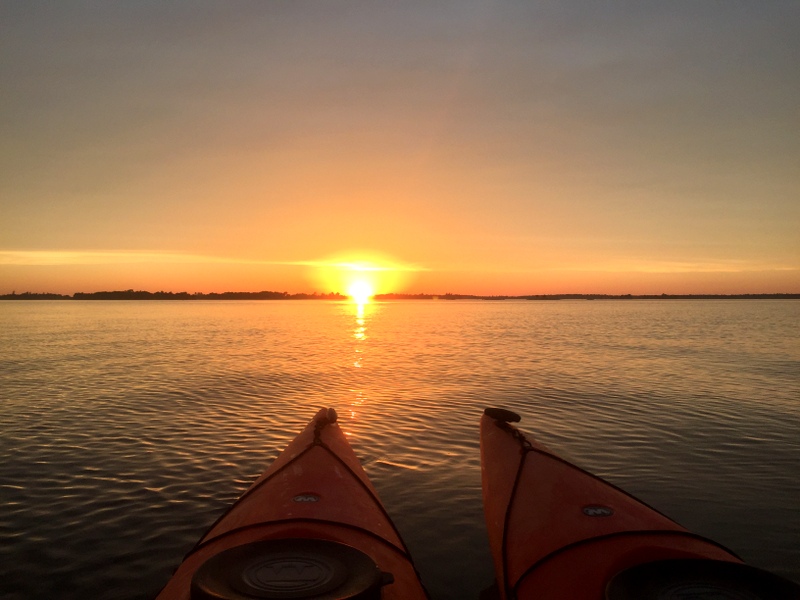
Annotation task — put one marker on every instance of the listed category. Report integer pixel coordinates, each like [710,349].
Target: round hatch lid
[699,579]
[287,569]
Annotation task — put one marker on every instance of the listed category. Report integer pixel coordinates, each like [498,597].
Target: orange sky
[475,147]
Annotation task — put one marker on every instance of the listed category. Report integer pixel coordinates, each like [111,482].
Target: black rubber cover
[701,580]
[290,568]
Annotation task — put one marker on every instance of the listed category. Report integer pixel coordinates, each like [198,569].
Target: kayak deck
[557,531]
[315,490]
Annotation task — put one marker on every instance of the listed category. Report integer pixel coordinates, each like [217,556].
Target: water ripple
[129,427]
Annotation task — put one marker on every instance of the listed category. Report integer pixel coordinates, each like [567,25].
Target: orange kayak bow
[311,526]
[559,533]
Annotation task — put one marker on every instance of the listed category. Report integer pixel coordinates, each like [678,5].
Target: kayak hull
[557,531]
[315,490]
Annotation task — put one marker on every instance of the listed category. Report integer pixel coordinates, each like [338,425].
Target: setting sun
[361,275]
[360,291]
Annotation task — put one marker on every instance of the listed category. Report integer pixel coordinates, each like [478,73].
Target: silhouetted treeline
[34,296]
[265,295]
[591,297]
[144,295]
[664,297]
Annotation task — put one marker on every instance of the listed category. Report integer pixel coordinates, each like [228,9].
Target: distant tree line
[266,295]
[144,295]
[34,296]
[591,297]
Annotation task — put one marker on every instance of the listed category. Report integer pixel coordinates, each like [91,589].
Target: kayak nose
[503,415]
[331,415]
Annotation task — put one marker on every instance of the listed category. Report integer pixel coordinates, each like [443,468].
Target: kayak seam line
[549,454]
[371,495]
[278,522]
[318,426]
[528,447]
[525,448]
[509,591]
[616,534]
[257,485]
[316,443]
[241,498]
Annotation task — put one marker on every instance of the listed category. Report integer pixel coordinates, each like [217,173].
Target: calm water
[127,427]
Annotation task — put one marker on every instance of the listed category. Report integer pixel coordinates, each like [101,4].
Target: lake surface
[126,428]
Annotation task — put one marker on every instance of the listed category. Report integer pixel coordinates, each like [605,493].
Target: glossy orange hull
[315,490]
[558,532]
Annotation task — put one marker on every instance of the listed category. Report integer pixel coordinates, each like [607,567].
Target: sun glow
[361,275]
[360,291]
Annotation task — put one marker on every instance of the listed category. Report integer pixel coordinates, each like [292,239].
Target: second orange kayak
[311,527]
[558,532]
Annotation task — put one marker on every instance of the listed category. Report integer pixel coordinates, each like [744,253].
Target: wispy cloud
[112,257]
[99,257]
[700,266]
[364,266]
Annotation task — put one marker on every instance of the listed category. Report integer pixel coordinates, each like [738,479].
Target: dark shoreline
[266,295]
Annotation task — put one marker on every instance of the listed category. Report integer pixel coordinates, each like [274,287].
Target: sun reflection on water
[359,336]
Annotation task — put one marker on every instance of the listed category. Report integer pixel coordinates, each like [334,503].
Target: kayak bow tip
[502,414]
[326,416]
[330,415]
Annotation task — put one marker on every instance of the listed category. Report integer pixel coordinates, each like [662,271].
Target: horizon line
[269,294]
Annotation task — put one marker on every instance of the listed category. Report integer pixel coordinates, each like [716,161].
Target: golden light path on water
[362,278]
[359,337]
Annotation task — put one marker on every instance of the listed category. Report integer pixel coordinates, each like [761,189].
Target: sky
[516,147]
